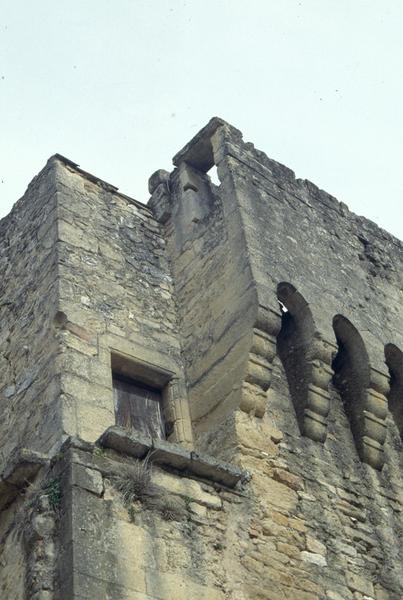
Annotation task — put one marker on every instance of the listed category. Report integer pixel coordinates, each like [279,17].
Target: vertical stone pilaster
[176,409]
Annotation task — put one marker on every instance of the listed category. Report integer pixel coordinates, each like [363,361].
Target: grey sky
[119,86]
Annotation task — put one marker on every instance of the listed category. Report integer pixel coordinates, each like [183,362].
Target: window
[138,406]
[140,393]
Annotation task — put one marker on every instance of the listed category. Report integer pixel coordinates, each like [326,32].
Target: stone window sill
[138,445]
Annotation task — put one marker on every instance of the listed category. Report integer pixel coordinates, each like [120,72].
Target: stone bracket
[373,429]
[317,401]
[160,201]
[258,373]
[22,468]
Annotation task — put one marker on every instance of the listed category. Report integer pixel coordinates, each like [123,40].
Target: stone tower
[202,398]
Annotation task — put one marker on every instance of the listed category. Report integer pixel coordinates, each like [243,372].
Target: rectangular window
[138,406]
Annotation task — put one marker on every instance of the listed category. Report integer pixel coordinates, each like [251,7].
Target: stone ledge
[138,445]
[23,466]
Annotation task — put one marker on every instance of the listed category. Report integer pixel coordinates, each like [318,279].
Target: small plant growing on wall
[170,507]
[50,488]
[134,481]
[53,490]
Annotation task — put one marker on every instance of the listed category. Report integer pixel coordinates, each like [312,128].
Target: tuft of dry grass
[134,481]
[170,507]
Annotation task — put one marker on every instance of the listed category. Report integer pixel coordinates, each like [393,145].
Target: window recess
[140,396]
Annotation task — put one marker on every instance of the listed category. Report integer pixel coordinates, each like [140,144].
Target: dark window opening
[138,406]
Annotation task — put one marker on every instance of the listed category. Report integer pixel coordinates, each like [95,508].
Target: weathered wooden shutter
[138,406]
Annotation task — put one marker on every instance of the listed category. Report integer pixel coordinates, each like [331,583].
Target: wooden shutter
[138,406]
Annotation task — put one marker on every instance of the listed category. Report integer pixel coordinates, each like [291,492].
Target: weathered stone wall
[175,539]
[340,278]
[12,555]
[340,264]
[28,265]
[29,382]
[115,297]
[84,277]
[228,335]
[291,532]
[214,297]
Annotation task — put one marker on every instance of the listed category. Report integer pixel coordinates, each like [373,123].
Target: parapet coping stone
[162,452]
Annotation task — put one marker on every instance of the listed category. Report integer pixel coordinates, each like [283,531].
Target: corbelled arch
[365,406]
[394,361]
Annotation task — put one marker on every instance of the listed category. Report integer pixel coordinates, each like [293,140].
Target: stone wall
[292,531]
[84,280]
[28,264]
[338,278]
[115,299]
[166,540]
[228,335]
[214,296]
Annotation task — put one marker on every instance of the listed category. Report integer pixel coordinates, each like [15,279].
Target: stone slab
[162,452]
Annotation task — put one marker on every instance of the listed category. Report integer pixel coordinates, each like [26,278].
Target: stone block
[172,455]
[332,595]
[209,468]
[288,550]
[292,481]
[88,479]
[187,488]
[315,546]
[93,420]
[127,442]
[359,583]
[273,494]
[198,510]
[311,557]
[89,587]
[170,587]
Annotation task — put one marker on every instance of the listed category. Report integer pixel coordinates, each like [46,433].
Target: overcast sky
[119,86]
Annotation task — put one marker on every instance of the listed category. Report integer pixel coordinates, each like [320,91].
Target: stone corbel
[40,548]
[373,421]
[317,406]
[22,468]
[259,367]
[160,201]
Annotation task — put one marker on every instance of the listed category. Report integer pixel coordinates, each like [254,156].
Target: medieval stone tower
[202,398]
